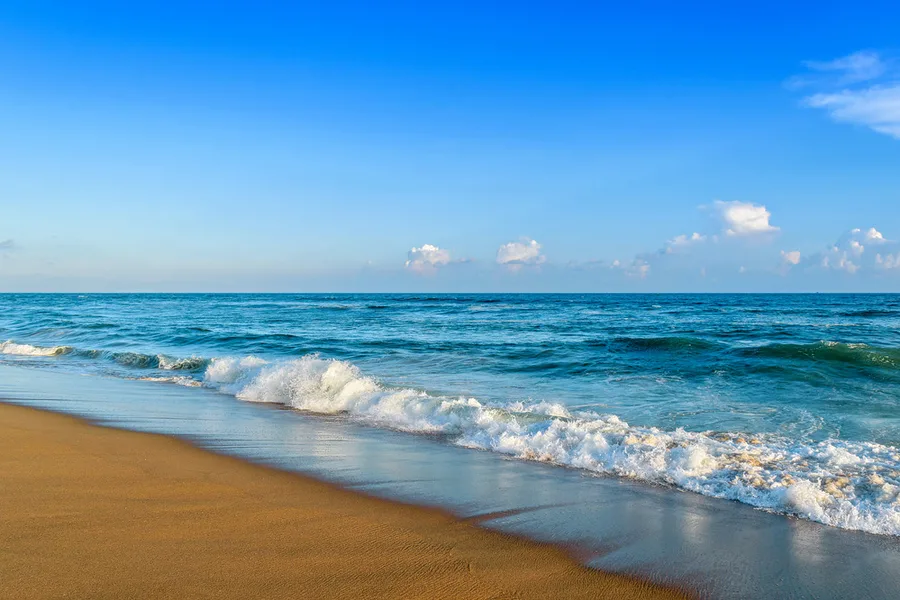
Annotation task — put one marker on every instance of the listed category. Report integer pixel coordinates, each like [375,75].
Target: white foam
[179,380]
[10,347]
[853,485]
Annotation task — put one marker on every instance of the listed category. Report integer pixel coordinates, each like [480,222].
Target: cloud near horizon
[426,259]
[515,255]
[861,88]
[858,250]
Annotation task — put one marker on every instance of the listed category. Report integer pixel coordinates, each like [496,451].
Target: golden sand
[92,512]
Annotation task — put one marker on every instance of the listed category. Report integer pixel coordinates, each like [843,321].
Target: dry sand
[92,512]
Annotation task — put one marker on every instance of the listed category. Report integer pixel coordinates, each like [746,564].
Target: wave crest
[10,347]
[854,354]
[844,484]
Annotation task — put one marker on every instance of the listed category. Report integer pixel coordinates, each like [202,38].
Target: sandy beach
[93,512]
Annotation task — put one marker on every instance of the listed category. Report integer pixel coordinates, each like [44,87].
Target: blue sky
[472,147]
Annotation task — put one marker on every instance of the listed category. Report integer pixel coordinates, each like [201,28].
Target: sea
[761,412]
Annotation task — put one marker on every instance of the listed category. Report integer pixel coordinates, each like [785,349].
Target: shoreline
[97,511]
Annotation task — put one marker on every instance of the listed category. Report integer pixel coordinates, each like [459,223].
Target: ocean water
[786,403]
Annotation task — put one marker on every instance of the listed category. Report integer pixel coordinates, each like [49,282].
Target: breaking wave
[126,359]
[10,347]
[853,485]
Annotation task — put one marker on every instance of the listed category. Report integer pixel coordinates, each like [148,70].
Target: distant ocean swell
[852,485]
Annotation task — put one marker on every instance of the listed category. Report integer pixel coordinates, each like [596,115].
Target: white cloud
[638,267]
[744,218]
[515,255]
[852,252]
[427,259]
[791,258]
[865,91]
[683,241]
[888,261]
[876,107]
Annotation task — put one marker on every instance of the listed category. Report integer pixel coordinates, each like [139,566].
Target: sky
[449,147]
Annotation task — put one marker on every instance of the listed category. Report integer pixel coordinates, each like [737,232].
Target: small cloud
[790,258]
[744,218]
[426,259]
[515,255]
[683,241]
[639,267]
[742,269]
[888,261]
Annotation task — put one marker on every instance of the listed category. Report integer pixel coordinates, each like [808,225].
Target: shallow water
[785,403]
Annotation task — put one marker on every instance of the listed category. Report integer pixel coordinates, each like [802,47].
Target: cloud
[790,258]
[855,251]
[861,89]
[638,267]
[686,252]
[853,68]
[683,241]
[515,255]
[888,261]
[744,218]
[876,107]
[427,259]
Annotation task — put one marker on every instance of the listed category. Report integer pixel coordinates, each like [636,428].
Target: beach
[95,512]
[624,434]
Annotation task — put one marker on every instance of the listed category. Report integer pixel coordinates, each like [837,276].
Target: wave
[861,355]
[669,344]
[153,361]
[10,347]
[853,485]
[870,313]
[126,359]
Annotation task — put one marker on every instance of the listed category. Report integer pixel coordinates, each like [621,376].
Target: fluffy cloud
[864,92]
[856,250]
[427,259]
[790,258]
[515,255]
[744,218]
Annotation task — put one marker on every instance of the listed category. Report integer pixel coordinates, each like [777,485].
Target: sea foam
[10,347]
[853,485]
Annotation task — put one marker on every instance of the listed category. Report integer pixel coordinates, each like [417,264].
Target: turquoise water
[786,403]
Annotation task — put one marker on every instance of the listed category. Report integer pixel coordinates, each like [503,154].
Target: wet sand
[93,512]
